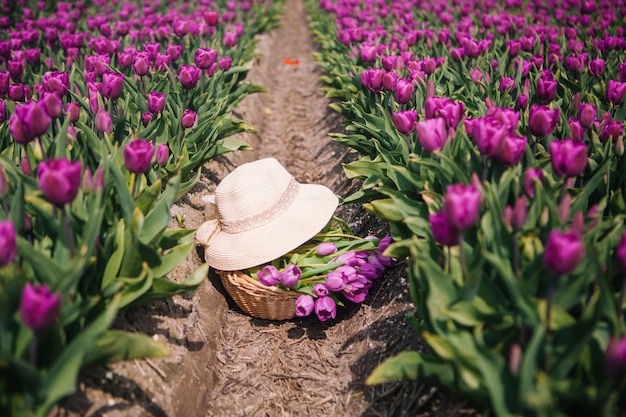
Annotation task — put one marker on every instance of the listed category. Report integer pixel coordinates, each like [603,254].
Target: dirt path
[225,363]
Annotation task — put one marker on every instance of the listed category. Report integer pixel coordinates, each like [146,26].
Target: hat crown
[254,193]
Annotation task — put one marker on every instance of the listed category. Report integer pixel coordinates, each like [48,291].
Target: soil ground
[225,363]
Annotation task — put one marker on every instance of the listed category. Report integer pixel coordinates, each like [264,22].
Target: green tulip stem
[462,257]
[549,299]
[34,342]
[133,180]
[68,232]
[516,253]
[620,304]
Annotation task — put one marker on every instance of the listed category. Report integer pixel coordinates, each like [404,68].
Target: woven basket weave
[258,300]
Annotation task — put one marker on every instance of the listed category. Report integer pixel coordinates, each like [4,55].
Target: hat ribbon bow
[212,226]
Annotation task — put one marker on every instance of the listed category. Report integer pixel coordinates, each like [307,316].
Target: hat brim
[310,211]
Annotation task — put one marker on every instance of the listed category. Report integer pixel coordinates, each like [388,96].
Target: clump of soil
[225,363]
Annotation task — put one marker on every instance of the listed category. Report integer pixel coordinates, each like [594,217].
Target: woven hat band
[266,216]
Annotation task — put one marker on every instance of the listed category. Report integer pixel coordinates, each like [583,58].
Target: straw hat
[260,213]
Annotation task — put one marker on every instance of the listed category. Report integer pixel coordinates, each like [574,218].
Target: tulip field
[487,135]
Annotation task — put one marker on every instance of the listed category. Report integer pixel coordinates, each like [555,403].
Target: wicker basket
[258,300]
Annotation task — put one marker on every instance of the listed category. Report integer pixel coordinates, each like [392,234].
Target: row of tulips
[490,138]
[108,110]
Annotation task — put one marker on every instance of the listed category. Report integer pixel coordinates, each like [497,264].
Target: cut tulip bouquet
[331,267]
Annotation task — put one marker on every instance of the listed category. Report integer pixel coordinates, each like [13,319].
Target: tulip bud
[204,58]
[138,156]
[462,205]
[587,115]
[8,245]
[269,275]
[225,63]
[563,252]
[326,248]
[568,157]
[304,305]
[290,275]
[596,67]
[112,85]
[188,119]
[542,120]
[39,307]
[325,308]
[443,232]
[432,134]
[615,91]
[145,118]
[59,180]
[404,90]
[72,110]
[52,104]
[615,358]
[103,121]
[156,102]
[189,75]
[163,154]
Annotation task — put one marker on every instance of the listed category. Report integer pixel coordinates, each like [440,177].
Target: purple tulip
[507,85]
[112,85]
[189,75]
[29,121]
[103,122]
[611,129]
[229,39]
[162,62]
[174,51]
[225,63]
[443,231]
[578,133]
[290,275]
[451,111]
[304,305]
[542,120]
[369,52]
[8,245]
[56,82]
[563,252]
[141,64]
[615,91]
[146,117]
[356,291]
[372,79]
[72,110]
[320,290]
[568,157]
[404,91]
[432,134]
[462,205]
[162,154]
[52,104]
[596,67]
[390,80]
[615,358]
[138,156]
[39,307]
[326,248]
[587,115]
[488,133]
[211,17]
[546,87]
[188,119]
[371,270]
[404,121]
[512,149]
[59,180]
[529,181]
[156,102]
[325,308]
[204,58]
[269,275]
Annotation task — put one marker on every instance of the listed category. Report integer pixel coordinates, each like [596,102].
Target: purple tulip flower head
[587,115]
[432,134]
[320,290]
[204,58]
[138,156]
[357,290]
[72,110]
[443,231]
[141,64]
[103,121]
[530,176]
[488,133]
[615,91]
[8,244]
[269,275]
[156,102]
[462,205]
[568,157]
[546,87]
[162,154]
[596,67]
[146,117]
[29,121]
[404,90]
[112,85]
[326,248]
[615,358]
[542,120]
[325,308]
[189,75]
[290,276]
[59,180]
[404,121]
[188,119]
[512,149]
[39,307]
[56,82]
[563,252]
[304,305]
[52,104]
